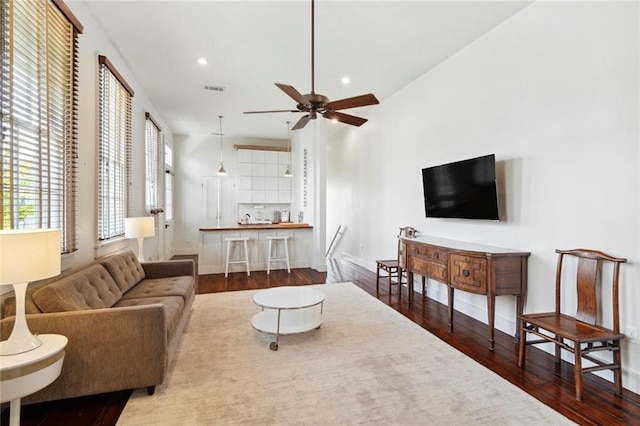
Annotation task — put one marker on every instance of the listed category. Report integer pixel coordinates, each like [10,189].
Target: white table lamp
[26,255]
[140,228]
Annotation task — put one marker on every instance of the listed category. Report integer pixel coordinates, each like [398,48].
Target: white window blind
[38,60]
[152,178]
[114,151]
[168,187]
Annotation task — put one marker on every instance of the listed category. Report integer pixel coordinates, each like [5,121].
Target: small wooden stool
[393,270]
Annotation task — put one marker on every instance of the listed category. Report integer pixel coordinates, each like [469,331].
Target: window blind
[152,153]
[114,151]
[168,186]
[38,87]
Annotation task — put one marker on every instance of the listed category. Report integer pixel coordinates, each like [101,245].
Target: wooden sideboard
[475,268]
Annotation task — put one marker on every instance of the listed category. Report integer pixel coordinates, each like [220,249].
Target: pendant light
[287,173]
[221,170]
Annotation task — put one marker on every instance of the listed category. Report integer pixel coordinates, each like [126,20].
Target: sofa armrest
[169,268]
[108,350]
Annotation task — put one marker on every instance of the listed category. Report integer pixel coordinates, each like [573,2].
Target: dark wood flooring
[542,378]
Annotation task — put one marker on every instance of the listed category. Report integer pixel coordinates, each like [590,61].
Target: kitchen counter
[257,226]
[212,247]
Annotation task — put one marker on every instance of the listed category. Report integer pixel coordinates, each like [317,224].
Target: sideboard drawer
[427,268]
[468,273]
[432,253]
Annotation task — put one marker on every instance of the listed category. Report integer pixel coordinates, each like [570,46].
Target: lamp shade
[29,255]
[136,227]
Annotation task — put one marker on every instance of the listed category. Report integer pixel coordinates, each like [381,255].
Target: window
[38,114]
[114,152]
[153,147]
[168,189]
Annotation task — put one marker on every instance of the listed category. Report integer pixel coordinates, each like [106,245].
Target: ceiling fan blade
[293,93]
[277,110]
[356,101]
[345,118]
[302,122]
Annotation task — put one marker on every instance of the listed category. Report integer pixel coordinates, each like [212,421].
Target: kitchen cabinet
[260,177]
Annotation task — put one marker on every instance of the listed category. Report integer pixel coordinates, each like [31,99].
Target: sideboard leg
[491,311]
[450,294]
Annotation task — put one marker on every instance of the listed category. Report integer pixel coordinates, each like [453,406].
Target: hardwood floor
[542,378]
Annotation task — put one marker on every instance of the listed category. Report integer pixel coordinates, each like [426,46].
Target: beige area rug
[367,364]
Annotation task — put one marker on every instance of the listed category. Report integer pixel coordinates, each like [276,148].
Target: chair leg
[246,257]
[522,345]
[558,349]
[617,373]
[378,278]
[286,253]
[389,276]
[269,258]
[578,370]
[399,283]
[226,266]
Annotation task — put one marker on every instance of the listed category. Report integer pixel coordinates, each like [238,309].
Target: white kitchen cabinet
[244,169]
[260,177]
[271,157]
[258,156]
[244,156]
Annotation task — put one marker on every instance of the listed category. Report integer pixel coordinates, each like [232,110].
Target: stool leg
[269,258]
[286,253]
[389,276]
[226,266]
[246,257]
[378,277]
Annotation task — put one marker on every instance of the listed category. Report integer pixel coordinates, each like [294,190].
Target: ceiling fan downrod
[313,44]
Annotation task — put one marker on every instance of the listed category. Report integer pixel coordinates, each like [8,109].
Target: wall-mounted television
[463,190]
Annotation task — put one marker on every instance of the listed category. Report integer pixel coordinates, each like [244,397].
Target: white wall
[93,42]
[554,93]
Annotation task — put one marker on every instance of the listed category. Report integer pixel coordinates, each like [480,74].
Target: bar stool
[244,259]
[285,240]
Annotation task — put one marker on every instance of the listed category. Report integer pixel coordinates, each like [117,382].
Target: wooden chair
[584,330]
[392,270]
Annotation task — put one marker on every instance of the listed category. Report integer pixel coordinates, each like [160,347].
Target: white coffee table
[288,310]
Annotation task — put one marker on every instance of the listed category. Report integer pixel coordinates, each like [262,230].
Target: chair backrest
[588,273]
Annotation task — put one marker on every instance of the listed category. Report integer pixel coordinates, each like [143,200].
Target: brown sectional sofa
[124,321]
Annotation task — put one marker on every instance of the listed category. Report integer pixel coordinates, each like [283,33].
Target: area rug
[367,364]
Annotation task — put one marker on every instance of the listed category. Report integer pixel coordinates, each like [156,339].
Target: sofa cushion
[173,307]
[90,288]
[161,287]
[125,269]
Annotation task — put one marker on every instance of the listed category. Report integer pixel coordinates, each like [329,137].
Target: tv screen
[463,189]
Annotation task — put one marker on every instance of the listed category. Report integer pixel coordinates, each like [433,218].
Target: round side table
[28,372]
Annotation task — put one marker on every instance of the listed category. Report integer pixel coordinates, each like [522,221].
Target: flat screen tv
[463,190]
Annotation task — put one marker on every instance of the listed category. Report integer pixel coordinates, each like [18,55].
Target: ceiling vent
[214,88]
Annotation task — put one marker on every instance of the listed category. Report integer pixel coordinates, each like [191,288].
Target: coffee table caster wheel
[273,346]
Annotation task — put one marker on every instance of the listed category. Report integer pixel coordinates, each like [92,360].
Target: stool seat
[285,258]
[244,259]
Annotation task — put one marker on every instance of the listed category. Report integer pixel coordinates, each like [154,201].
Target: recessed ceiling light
[202,61]
[345,80]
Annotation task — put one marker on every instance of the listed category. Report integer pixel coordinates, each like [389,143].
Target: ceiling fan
[314,103]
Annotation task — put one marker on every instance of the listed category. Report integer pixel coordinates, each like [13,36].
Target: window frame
[39,116]
[115,144]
